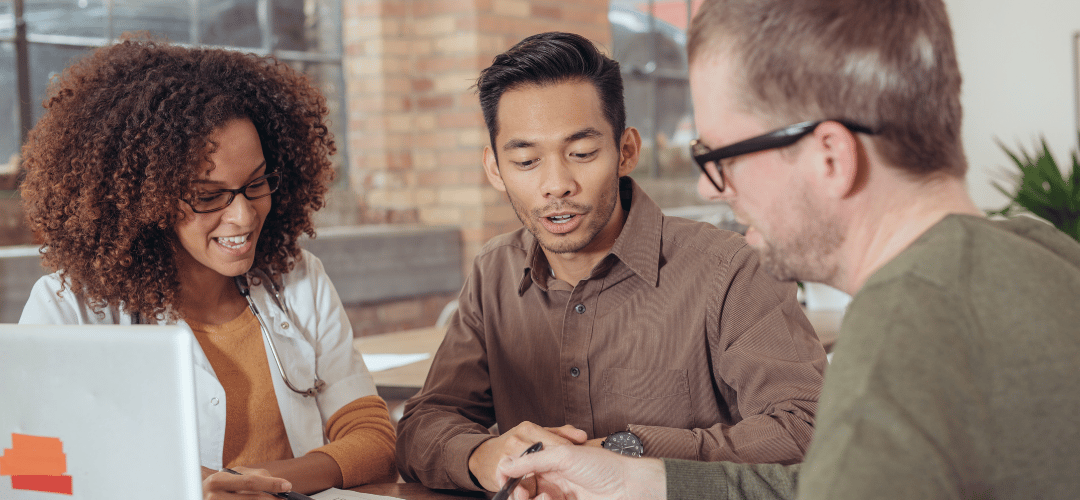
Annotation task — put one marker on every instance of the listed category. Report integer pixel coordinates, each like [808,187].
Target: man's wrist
[464,445]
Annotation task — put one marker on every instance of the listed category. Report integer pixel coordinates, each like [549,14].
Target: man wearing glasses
[602,322]
[955,373]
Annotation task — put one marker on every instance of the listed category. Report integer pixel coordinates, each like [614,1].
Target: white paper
[336,494]
[380,362]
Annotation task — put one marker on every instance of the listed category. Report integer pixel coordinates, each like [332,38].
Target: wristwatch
[624,443]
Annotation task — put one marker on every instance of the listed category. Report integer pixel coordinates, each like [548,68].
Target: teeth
[232,241]
[560,219]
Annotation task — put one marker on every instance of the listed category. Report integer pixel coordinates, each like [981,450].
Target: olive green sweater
[957,375]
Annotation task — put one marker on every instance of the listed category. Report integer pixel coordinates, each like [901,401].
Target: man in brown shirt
[602,315]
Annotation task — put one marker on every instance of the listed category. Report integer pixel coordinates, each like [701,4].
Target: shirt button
[284,325]
[580,308]
[574,372]
[214,401]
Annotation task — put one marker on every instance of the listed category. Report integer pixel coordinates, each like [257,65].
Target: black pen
[288,495]
[510,484]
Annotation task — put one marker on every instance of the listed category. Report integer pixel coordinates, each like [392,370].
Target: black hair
[551,58]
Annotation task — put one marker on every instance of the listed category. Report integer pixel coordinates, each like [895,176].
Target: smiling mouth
[232,242]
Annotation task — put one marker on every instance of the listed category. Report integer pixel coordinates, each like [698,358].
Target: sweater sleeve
[362,442]
[729,481]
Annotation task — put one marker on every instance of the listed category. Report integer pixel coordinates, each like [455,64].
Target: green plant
[1042,190]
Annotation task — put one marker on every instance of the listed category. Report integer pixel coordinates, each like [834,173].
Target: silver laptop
[97,412]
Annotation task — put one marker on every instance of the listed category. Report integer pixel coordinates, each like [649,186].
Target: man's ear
[838,169]
[629,151]
[491,168]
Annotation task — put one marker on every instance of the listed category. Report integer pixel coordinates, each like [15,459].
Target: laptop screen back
[97,412]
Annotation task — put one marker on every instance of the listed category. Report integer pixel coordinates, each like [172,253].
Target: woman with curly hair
[171,185]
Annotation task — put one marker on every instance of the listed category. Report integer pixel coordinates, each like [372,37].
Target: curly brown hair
[119,145]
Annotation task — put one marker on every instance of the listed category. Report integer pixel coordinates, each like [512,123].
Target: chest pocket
[644,397]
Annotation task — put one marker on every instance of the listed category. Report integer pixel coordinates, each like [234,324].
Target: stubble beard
[808,252]
[562,244]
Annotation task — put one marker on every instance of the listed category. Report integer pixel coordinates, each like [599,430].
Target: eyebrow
[250,176]
[586,133]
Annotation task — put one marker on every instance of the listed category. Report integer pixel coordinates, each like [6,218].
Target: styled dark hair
[887,64]
[125,130]
[548,59]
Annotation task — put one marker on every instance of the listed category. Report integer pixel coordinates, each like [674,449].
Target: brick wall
[416,134]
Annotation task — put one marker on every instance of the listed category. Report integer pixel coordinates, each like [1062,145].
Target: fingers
[528,433]
[483,463]
[596,442]
[547,460]
[250,484]
[570,433]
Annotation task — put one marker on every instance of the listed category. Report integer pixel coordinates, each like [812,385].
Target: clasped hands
[563,470]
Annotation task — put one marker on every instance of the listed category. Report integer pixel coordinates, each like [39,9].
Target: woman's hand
[251,484]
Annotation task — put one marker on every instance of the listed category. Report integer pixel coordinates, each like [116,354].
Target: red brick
[475,176]
[437,102]
[462,119]
[399,161]
[436,140]
[546,11]
[429,7]
[442,63]
[459,158]
[422,84]
[438,178]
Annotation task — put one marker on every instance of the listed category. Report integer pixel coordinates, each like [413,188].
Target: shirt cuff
[463,445]
[666,442]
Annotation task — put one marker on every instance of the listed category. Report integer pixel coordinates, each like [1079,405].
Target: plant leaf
[1042,189]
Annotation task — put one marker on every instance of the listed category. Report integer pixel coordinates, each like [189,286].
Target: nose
[558,180]
[240,212]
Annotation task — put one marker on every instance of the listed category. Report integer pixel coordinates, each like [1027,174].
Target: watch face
[624,442]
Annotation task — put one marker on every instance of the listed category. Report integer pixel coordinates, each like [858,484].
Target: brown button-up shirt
[677,335]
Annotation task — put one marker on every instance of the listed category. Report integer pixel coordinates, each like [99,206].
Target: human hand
[250,484]
[485,458]
[586,473]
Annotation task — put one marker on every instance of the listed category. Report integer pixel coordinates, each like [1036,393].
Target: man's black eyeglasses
[260,187]
[779,138]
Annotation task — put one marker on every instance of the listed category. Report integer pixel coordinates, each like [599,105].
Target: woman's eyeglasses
[213,201]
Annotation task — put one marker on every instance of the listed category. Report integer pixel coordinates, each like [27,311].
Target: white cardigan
[317,338]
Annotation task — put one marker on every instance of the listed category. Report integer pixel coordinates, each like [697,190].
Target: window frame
[22,41]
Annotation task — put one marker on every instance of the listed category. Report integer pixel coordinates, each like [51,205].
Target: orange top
[361,436]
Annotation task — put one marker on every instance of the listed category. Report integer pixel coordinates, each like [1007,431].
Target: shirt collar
[638,244]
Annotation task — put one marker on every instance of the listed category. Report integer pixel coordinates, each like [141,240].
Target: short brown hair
[124,131]
[886,64]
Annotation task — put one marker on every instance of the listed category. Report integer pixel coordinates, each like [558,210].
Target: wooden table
[402,382]
[415,491]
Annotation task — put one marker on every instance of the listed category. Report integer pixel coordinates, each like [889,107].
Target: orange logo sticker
[36,463]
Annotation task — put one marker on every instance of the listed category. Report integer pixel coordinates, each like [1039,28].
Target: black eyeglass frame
[275,177]
[778,138]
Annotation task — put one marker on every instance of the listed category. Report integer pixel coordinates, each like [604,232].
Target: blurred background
[410,202]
